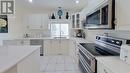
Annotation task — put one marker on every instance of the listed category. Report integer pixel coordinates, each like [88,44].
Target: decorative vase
[53,16]
[67,15]
[60,12]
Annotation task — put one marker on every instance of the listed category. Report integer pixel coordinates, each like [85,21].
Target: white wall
[14,26]
[122,15]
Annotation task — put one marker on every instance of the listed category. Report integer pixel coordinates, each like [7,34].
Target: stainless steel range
[103,46]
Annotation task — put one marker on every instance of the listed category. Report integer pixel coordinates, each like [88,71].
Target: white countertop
[80,39]
[115,64]
[44,38]
[11,55]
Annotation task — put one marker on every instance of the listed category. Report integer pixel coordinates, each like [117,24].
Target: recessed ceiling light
[77,1]
[30,1]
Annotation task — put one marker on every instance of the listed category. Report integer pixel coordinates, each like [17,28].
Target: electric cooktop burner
[97,50]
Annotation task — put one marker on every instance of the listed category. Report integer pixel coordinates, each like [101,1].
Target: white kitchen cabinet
[64,47]
[45,21]
[74,50]
[76,22]
[47,47]
[35,21]
[38,21]
[56,47]
[16,42]
[102,69]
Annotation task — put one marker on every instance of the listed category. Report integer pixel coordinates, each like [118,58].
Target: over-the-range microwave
[102,17]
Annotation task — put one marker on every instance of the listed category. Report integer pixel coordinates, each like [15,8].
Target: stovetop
[98,50]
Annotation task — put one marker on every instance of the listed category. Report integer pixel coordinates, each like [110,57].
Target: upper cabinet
[76,23]
[122,14]
[38,21]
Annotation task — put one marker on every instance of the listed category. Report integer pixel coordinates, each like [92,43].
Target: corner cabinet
[76,22]
[56,47]
[38,21]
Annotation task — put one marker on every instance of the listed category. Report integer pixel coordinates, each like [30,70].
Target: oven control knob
[112,41]
[117,42]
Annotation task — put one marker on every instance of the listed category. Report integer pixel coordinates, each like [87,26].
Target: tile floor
[58,64]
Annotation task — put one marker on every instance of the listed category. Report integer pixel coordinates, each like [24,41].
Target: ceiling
[53,4]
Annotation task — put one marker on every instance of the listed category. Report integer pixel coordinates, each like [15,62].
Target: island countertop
[11,55]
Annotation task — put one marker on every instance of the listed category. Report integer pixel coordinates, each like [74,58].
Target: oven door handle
[85,54]
[86,67]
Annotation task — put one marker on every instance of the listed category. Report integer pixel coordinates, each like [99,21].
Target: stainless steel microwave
[102,17]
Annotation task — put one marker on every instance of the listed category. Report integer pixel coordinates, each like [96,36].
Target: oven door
[84,65]
[89,59]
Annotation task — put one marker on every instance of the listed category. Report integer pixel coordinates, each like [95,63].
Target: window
[59,30]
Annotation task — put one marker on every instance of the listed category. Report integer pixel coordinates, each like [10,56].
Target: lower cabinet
[17,42]
[64,47]
[74,50]
[47,47]
[56,47]
[102,69]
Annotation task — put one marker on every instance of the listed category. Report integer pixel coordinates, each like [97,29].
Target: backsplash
[90,34]
[38,33]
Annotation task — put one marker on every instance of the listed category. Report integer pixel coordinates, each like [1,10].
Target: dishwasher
[38,42]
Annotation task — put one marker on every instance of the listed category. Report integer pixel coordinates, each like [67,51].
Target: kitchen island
[19,59]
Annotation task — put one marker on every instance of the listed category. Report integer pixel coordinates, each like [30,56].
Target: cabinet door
[35,21]
[71,48]
[64,46]
[45,21]
[47,47]
[102,69]
[12,42]
[55,47]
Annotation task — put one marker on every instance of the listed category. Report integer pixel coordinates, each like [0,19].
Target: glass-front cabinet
[76,23]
